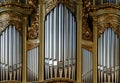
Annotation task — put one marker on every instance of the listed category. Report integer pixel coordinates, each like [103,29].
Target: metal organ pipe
[60,31]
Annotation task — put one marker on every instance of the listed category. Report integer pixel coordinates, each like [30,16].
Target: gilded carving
[87,45]
[33,30]
[7,18]
[86,32]
[109,21]
[32,3]
[70,4]
[32,44]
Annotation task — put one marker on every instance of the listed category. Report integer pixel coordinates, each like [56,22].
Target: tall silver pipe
[60,41]
[14,53]
[108,47]
[55,41]
[18,48]
[51,44]
[60,33]
[2,56]
[74,48]
[48,43]
[3,53]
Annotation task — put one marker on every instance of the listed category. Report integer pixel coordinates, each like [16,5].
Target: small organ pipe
[60,33]
[54,36]
[51,44]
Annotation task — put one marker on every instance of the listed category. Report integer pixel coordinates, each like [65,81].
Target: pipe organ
[87,69]
[60,43]
[108,57]
[10,54]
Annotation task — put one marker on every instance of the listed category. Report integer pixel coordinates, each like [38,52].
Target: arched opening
[10,54]
[60,43]
[108,57]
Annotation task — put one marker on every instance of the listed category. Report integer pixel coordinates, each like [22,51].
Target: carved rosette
[109,21]
[86,32]
[70,4]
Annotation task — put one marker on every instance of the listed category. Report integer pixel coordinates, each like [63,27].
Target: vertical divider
[24,50]
[95,50]
[79,42]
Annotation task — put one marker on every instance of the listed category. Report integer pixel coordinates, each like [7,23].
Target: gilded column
[24,52]
[41,48]
[95,62]
[79,41]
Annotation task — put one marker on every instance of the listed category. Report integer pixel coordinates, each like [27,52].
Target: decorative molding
[70,4]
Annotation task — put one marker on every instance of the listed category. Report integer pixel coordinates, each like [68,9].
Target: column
[95,62]
[24,52]
[79,41]
[41,47]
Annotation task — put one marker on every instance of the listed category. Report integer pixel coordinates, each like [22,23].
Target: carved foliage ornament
[70,4]
[7,18]
[86,32]
[33,30]
[109,21]
[32,3]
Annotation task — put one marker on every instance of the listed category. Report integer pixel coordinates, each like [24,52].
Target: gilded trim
[109,21]
[7,18]
[70,4]
[33,29]
[87,45]
[32,44]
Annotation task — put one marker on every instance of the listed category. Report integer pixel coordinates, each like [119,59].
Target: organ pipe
[109,42]
[9,54]
[60,41]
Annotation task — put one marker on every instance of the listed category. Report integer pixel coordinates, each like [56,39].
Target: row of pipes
[10,54]
[108,57]
[32,65]
[60,43]
[87,68]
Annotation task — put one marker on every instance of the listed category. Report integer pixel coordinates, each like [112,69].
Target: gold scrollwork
[32,44]
[70,4]
[32,3]
[109,21]
[87,45]
[86,32]
[7,18]
[33,30]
